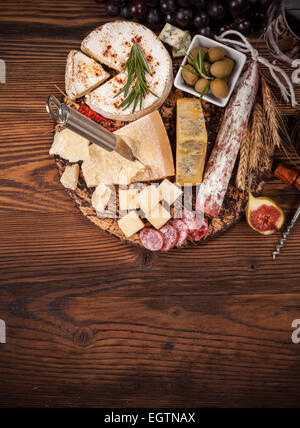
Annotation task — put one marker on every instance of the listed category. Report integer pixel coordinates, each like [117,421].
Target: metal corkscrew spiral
[286,234]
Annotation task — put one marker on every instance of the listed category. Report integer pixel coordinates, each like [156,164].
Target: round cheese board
[83,192]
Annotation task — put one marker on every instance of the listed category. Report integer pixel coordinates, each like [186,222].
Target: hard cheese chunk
[101,197]
[173,36]
[128,199]
[130,224]
[191,142]
[149,198]
[169,192]
[83,74]
[150,143]
[158,216]
[182,50]
[71,146]
[69,179]
[109,168]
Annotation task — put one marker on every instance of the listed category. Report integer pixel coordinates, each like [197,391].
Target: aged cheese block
[69,179]
[101,197]
[83,74]
[128,199]
[158,216]
[149,198]
[169,192]
[111,44]
[191,142]
[109,168]
[150,143]
[173,36]
[70,146]
[182,50]
[130,224]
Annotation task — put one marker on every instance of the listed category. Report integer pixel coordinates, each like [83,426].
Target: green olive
[220,69]
[189,77]
[219,88]
[230,62]
[194,52]
[201,84]
[216,53]
[206,66]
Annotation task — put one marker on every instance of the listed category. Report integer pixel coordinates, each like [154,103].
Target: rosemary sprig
[137,68]
[198,64]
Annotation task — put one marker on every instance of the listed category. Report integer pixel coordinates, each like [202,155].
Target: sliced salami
[152,239]
[183,231]
[199,234]
[221,162]
[171,237]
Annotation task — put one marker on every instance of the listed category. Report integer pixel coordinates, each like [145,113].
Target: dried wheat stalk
[272,116]
[243,169]
[256,137]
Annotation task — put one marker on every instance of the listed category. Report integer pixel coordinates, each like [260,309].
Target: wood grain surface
[92,321]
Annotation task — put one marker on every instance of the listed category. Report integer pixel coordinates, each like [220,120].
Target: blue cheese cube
[182,50]
[173,36]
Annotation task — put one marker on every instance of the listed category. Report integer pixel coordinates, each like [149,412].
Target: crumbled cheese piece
[130,224]
[169,192]
[70,146]
[158,216]
[182,50]
[149,198]
[101,197]
[69,179]
[173,36]
[128,199]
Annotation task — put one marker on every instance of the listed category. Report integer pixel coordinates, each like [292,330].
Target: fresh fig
[264,215]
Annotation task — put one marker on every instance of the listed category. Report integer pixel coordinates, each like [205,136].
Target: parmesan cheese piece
[108,168]
[101,197]
[150,143]
[149,198]
[158,216]
[169,192]
[130,224]
[191,142]
[70,146]
[83,74]
[69,179]
[111,45]
[128,199]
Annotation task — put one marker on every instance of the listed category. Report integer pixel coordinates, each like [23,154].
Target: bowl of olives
[210,70]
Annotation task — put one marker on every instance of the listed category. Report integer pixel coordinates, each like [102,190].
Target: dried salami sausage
[171,237]
[183,231]
[152,239]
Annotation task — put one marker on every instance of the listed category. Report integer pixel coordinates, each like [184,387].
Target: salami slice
[221,162]
[183,231]
[199,233]
[152,239]
[171,237]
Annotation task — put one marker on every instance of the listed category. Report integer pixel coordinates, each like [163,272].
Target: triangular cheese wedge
[83,74]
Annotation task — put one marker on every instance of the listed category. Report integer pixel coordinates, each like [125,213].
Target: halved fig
[264,215]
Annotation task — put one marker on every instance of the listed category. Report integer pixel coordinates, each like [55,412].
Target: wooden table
[92,321]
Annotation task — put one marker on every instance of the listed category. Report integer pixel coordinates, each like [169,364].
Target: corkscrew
[286,234]
[291,177]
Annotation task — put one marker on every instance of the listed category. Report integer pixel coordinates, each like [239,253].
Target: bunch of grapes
[206,17]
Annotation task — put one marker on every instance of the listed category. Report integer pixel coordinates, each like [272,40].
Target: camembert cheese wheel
[110,44]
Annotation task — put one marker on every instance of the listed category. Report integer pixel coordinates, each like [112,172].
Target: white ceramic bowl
[238,57]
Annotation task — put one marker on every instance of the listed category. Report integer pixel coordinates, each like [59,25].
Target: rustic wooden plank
[78,347]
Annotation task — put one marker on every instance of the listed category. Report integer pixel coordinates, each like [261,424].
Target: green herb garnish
[198,64]
[137,68]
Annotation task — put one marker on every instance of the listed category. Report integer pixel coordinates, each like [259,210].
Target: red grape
[119,3]
[216,10]
[152,3]
[153,17]
[184,3]
[184,16]
[200,4]
[206,31]
[112,9]
[138,9]
[201,19]
[167,6]
[243,26]
[171,18]
[125,13]
[238,7]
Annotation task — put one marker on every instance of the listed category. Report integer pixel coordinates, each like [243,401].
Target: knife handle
[63,115]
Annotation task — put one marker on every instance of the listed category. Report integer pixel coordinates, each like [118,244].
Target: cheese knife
[62,114]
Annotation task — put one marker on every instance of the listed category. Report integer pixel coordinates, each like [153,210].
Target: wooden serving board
[235,200]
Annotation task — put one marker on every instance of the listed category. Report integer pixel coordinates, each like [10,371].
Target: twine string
[245,46]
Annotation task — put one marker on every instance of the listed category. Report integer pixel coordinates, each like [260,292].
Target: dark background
[92,321]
